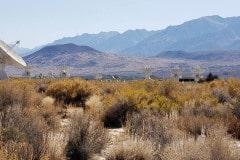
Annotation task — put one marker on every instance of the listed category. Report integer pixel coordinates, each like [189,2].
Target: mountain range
[203,34]
[212,42]
[84,60]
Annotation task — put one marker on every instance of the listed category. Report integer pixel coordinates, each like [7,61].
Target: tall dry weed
[132,149]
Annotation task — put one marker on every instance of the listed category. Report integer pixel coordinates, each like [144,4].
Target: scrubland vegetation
[162,120]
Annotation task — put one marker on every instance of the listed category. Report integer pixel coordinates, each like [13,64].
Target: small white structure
[116,77]
[197,73]
[51,74]
[99,77]
[8,57]
[177,73]
[27,72]
[63,72]
[148,71]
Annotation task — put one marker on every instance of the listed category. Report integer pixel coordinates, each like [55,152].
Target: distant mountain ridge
[203,34]
[208,33]
[208,56]
[112,41]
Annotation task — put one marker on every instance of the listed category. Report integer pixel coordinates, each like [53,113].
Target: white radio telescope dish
[177,73]
[148,71]
[8,57]
[99,77]
[63,72]
[197,73]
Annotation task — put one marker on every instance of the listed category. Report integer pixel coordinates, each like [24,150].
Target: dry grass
[94,106]
[159,130]
[19,151]
[213,147]
[86,138]
[132,149]
[48,101]
[166,119]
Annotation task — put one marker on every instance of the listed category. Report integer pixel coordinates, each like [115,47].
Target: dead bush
[197,125]
[213,147]
[35,130]
[132,149]
[15,95]
[115,116]
[234,127]
[221,95]
[86,137]
[12,133]
[3,154]
[26,127]
[94,106]
[18,150]
[204,108]
[159,130]
[167,87]
[42,88]
[236,108]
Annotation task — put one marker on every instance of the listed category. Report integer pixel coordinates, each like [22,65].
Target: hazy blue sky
[37,22]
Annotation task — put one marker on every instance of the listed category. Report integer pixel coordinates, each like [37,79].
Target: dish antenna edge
[9,57]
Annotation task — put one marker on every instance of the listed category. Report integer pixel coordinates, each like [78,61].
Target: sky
[37,22]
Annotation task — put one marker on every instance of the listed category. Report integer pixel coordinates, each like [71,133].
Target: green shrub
[70,91]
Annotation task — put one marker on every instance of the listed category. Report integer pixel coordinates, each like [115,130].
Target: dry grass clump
[70,91]
[49,112]
[94,106]
[167,87]
[132,149]
[236,108]
[19,151]
[214,147]
[13,93]
[159,130]
[25,128]
[86,138]
[221,95]
[48,101]
[234,127]
[199,124]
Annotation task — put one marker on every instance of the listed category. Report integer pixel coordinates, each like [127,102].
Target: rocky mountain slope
[203,34]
